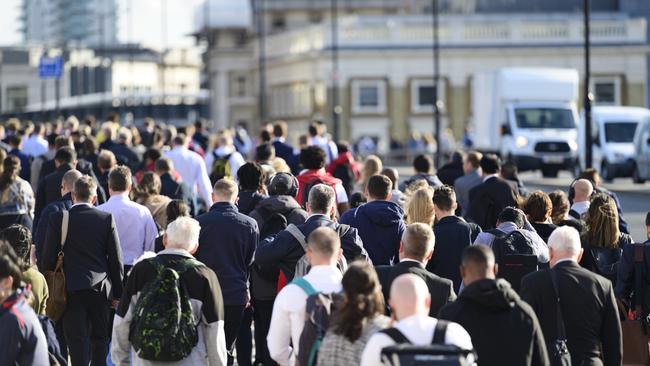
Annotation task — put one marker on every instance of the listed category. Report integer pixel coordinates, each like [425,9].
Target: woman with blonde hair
[147,193]
[419,206]
[603,241]
[371,166]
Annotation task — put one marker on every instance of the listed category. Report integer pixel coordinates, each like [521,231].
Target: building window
[606,90]
[16,98]
[279,22]
[423,95]
[241,86]
[368,96]
[315,16]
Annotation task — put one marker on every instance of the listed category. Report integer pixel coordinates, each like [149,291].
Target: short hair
[565,239]
[379,187]
[357,199]
[324,241]
[647,219]
[85,189]
[150,184]
[15,140]
[106,160]
[444,198]
[538,206]
[490,164]
[119,178]
[152,154]
[479,257]
[591,175]
[65,155]
[314,129]
[264,152]
[321,198]
[312,157]
[62,141]
[250,176]
[183,233]
[418,240]
[392,174]
[179,140]
[561,207]
[422,164]
[164,165]
[280,129]
[226,188]
[511,214]
[343,147]
[509,170]
[70,177]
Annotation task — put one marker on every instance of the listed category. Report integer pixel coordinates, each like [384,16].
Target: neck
[223,201]
[442,214]
[555,261]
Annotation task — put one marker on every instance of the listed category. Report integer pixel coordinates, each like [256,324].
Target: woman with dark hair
[147,193]
[21,335]
[538,208]
[251,187]
[16,196]
[561,207]
[174,210]
[20,239]
[360,316]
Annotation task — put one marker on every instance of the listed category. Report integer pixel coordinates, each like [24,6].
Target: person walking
[16,196]
[472,178]
[312,159]
[191,168]
[423,168]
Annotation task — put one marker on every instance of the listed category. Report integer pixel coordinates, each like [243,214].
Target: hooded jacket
[380,225]
[504,329]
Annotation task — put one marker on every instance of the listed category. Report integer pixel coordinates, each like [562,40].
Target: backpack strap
[395,334]
[343,229]
[497,233]
[298,235]
[305,286]
[64,227]
[440,332]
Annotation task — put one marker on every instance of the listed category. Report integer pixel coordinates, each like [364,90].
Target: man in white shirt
[135,225]
[36,145]
[583,190]
[323,252]
[410,300]
[191,168]
[226,150]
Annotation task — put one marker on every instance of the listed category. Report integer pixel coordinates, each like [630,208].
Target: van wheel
[606,172]
[549,172]
[636,177]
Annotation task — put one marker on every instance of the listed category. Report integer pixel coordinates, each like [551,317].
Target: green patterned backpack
[163,326]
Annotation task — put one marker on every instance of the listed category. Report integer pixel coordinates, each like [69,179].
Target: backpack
[437,353]
[163,327]
[309,186]
[220,168]
[273,222]
[345,173]
[515,256]
[303,266]
[318,309]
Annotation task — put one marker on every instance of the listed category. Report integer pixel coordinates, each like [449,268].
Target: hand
[115,303]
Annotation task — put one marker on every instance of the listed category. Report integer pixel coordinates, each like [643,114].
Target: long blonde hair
[419,207]
[372,166]
[602,223]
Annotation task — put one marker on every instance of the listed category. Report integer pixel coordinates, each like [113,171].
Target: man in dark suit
[453,235]
[489,198]
[586,300]
[282,149]
[93,272]
[123,151]
[415,250]
[171,188]
[227,242]
[49,188]
[472,178]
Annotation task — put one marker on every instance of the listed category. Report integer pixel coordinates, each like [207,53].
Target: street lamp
[261,39]
[588,97]
[436,79]
[336,109]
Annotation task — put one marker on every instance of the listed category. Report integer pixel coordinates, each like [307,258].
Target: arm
[150,234]
[114,255]
[52,244]
[272,250]
[371,355]
[610,334]
[279,337]
[213,321]
[625,280]
[352,246]
[11,341]
[41,200]
[40,232]
[203,182]
[121,347]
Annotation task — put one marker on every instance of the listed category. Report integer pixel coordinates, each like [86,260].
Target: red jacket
[346,158]
[310,176]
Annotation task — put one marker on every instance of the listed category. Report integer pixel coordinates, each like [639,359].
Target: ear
[214,197]
[430,255]
[165,240]
[390,196]
[495,269]
[340,255]
[462,271]
[427,302]
[194,249]
[94,202]
[7,283]
[401,247]
[582,251]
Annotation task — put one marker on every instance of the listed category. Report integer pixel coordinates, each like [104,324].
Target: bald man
[410,301]
[587,303]
[583,190]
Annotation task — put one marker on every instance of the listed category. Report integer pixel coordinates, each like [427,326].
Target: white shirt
[134,224]
[35,146]
[192,169]
[289,313]
[235,161]
[580,207]
[419,330]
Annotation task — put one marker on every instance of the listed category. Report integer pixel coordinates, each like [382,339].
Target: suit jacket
[589,310]
[488,199]
[178,191]
[453,235]
[41,225]
[441,289]
[462,186]
[93,258]
[285,151]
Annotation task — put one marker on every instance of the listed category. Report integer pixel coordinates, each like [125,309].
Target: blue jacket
[21,335]
[285,151]
[381,225]
[40,226]
[227,243]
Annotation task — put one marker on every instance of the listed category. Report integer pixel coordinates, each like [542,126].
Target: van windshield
[620,131]
[544,118]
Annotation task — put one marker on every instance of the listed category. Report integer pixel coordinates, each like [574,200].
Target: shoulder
[457,335]
[535,277]
[349,215]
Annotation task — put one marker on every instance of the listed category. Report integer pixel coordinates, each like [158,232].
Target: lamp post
[261,61]
[588,138]
[336,108]
[436,80]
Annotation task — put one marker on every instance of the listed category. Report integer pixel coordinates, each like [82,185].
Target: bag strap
[440,333]
[561,331]
[639,276]
[298,235]
[397,336]
[64,227]
[343,230]
[305,286]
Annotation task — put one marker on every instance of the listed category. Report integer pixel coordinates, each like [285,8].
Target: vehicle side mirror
[505,130]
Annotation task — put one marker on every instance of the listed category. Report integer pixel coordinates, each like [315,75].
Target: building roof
[222,14]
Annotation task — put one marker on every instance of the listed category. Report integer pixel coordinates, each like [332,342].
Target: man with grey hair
[584,299]
[285,249]
[181,240]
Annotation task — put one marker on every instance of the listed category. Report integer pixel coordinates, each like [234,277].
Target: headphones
[292,189]
[572,190]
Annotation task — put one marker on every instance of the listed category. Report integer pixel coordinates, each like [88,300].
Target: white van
[613,130]
[642,151]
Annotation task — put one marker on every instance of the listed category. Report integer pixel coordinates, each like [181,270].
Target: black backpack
[515,255]
[345,173]
[403,353]
[307,189]
[273,222]
[163,327]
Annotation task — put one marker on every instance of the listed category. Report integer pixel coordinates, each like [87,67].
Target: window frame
[616,80]
[416,84]
[381,107]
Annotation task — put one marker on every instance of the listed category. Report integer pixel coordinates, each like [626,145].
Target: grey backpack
[303,266]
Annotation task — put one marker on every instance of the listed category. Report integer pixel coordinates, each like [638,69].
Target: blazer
[488,199]
[178,191]
[453,235]
[463,185]
[40,226]
[93,258]
[285,151]
[441,289]
[589,310]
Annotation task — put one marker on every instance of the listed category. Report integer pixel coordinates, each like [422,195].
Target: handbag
[57,301]
[559,351]
[634,326]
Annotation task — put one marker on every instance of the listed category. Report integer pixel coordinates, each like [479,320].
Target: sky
[146,21]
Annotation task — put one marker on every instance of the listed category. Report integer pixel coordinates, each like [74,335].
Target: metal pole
[208,72]
[588,137]
[57,96]
[163,23]
[436,81]
[259,9]
[336,108]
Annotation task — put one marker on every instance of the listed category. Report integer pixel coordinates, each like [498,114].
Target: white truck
[529,116]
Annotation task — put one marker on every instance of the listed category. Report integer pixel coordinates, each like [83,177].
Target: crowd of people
[172,245]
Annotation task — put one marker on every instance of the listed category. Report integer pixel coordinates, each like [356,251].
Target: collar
[175,251]
[565,260]
[119,196]
[409,260]
[318,215]
[67,197]
[223,206]
[485,179]
[507,227]
[417,318]
[449,219]
[279,139]
[580,207]
[324,271]
[80,204]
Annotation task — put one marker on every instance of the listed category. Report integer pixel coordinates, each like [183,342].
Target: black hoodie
[504,329]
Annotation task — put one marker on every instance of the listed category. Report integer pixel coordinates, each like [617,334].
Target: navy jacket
[625,281]
[178,191]
[248,201]
[285,151]
[125,156]
[40,226]
[284,250]
[226,245]
[22,337]
[381,225]
[453,235]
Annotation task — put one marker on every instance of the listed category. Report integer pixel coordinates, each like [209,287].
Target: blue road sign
[50,67]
